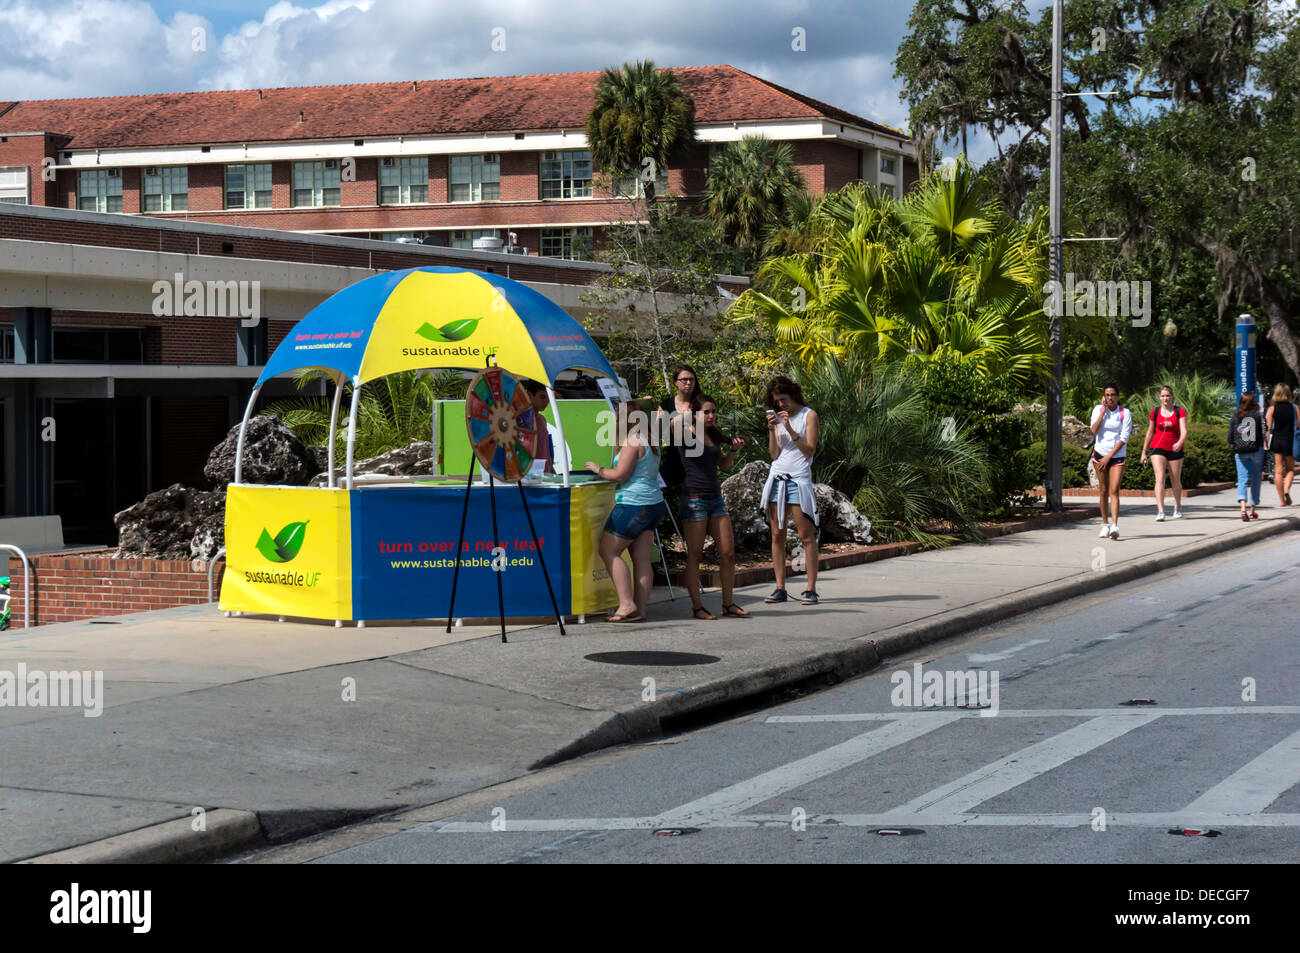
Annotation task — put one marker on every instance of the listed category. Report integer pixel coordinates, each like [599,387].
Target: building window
[475,178]
[571,243]
[633,186]
[98,345]
[566,175]
[408,237]
[165,190]
[100,190]
[404,181]
[316,184]
[464,238]
[13,186]
[248,186]
[7,345]
[888,164]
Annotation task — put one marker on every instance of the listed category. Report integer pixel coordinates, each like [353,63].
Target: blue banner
[1245,355]
[404,552]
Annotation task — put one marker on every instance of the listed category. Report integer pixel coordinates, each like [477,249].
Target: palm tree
[751,186]
[393,411]
[640,113]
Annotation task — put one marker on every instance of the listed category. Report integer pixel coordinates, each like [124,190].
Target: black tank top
[1284,423]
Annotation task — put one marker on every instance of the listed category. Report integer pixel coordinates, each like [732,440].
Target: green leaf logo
[451,331]
[285,545]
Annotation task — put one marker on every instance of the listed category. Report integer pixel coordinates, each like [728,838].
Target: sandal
[625,618]
[706,617]
[732,609]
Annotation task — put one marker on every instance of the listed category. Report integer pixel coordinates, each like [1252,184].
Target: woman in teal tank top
[638,508]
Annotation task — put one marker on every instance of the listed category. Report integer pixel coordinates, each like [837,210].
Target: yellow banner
[591,588]
[288,552]
[445,320]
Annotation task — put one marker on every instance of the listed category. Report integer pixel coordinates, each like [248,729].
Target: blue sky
[123,47]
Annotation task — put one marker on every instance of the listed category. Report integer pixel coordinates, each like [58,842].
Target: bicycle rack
[28,594]
[212,565]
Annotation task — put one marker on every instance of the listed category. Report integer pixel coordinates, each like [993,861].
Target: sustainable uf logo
[284,546]
[449,332]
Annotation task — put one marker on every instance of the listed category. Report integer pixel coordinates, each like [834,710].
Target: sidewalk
[248,714]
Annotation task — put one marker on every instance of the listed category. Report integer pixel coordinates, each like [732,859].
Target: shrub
[1074,464]
[1212,444]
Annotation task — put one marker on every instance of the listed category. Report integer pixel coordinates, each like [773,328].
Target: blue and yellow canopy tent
[430,317]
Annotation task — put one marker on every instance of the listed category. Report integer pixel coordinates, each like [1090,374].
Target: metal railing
[29,595]
[212,563]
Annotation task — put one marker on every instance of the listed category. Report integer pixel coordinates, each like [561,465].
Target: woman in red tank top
[1166,435]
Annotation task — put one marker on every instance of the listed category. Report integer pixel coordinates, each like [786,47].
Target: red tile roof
[722,94]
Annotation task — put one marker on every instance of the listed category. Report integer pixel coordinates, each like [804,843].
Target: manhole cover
[653,658]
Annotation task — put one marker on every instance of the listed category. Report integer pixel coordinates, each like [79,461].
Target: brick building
[447,160]
[211,182]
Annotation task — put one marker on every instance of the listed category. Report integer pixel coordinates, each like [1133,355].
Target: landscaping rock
[839,520]
[272,455]
[413,460]
[1075,431]
[179,522]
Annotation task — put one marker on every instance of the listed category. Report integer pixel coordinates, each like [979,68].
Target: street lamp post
[1055,401]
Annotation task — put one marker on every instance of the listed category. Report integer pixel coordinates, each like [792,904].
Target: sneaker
[1114,531]
[1105,531]
[1178,514]
[808,597]
[1160,516]
[777,596]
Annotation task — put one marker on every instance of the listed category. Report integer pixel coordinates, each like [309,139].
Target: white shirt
[790,462]
[1116,426]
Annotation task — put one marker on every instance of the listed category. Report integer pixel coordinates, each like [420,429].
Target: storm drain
[663,659]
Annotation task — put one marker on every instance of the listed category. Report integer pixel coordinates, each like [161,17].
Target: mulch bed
[1091,491]
[754,570]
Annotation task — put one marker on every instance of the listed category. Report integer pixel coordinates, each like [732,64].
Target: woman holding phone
[1113,425]
[704,511]
[788,494]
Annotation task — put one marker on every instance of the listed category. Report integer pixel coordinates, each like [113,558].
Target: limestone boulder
[272,455]
[178,522]
[416,459]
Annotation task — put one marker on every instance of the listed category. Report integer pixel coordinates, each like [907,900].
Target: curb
[171,842]
[867,653]
[229,830]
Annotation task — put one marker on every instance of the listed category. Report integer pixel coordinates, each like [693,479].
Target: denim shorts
[629,521]
[696,507]
[791,493]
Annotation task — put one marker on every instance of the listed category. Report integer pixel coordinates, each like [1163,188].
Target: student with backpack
[1166,435]
[1113,425]
[1246,437]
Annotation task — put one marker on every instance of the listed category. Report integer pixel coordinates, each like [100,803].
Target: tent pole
[559,426]
[243,425]
[352,425]
[334,428]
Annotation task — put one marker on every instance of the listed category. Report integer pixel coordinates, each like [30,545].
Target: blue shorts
[629,521]
[791,493]
[697,508]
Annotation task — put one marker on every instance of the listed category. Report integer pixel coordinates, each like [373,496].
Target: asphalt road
[1056,768]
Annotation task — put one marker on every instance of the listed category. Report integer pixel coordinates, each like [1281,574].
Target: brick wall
[30,151]
[84,585]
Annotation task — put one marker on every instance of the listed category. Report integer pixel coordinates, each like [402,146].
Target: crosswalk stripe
[1015,769]
[1256,784]
[744,794]
[1034,713]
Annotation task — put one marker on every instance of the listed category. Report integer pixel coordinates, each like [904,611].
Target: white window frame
[325,184]
[168,187]
[256,174]
[568,238]
[473,173]
[569,184]
[407,178]
[632,186]
[104,190]
[13,185]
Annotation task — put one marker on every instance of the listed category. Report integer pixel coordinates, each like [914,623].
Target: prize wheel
[499,417]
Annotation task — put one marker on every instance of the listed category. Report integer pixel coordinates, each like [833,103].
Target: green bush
[1211,442]
[1074,464]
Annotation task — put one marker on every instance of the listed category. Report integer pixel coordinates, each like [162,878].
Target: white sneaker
[1160,516]
[1105,531]
[1114,531]
[1178,514]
